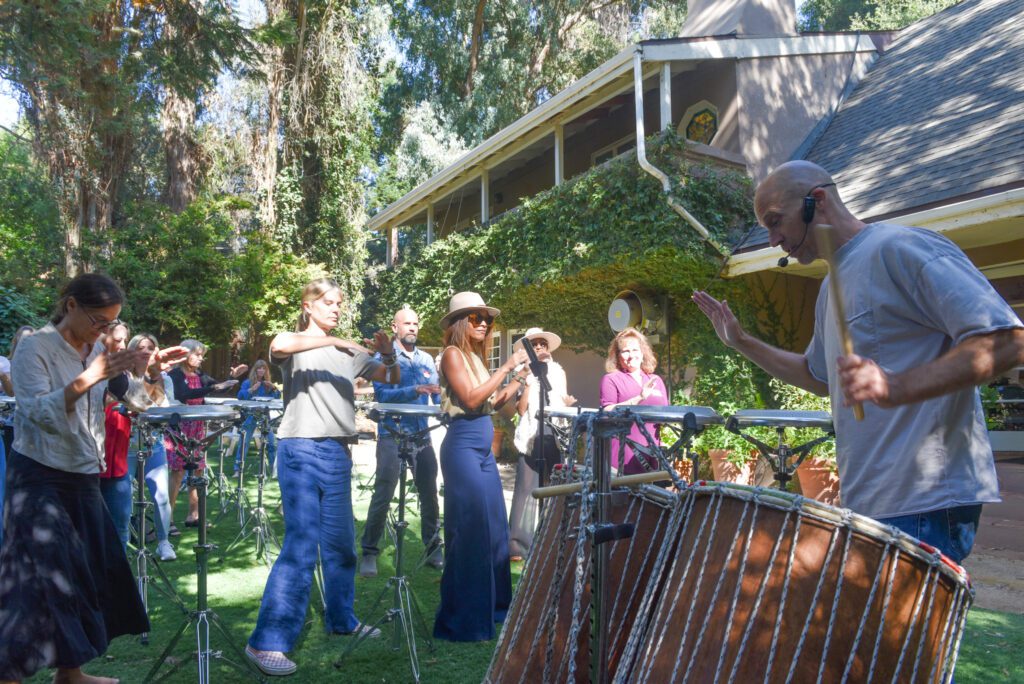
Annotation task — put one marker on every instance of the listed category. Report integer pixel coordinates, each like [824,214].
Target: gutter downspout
[641,153]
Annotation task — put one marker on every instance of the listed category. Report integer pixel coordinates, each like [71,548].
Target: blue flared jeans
[315,480]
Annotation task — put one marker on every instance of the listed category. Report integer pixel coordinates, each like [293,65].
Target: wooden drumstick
[624,481]
[824,233]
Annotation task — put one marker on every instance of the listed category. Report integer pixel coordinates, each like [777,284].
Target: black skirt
[66,588]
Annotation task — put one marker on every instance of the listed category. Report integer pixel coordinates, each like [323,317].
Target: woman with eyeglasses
[476,585]
[63,572]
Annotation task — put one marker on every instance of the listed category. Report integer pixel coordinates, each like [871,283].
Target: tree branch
[476,38]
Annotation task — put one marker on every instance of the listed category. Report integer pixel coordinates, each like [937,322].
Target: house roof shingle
[940,115]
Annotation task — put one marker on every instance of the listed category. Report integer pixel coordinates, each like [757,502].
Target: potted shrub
[727,382]
[817,475]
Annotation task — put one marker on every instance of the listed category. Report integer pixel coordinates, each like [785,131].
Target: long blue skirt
[476,586]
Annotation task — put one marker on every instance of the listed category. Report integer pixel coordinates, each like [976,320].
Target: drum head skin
[163,414]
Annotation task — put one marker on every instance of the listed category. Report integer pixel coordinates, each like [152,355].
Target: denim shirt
[417,369]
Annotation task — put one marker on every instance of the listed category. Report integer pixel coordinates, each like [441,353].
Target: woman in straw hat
[523,516]
[476,586]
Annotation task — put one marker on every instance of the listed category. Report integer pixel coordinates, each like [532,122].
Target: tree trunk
[267,152]
[181,150]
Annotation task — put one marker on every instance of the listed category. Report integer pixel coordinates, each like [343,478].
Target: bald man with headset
[927,329]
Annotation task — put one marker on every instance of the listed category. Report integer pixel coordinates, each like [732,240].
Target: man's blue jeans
[315,480]
[950,530]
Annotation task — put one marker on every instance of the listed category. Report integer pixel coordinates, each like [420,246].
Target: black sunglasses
[476,318]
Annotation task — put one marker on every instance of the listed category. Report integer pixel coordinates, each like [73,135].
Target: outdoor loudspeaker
[632,310]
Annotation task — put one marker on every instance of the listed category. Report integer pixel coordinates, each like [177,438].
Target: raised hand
[381,343]
[650,389]
[107,365]
[239,371]
[726,325]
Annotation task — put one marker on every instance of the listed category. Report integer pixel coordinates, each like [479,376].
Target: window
[699,123]
[513,337]
[620,146]
[494,351]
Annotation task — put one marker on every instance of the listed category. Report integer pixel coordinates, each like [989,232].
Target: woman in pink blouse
[630,381]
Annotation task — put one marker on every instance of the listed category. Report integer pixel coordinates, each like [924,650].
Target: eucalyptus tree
[866,15]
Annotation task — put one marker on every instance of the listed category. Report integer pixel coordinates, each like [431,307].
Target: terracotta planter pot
[729,472]
[818,481]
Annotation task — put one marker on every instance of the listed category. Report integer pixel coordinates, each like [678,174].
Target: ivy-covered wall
[559,258]
[558,261]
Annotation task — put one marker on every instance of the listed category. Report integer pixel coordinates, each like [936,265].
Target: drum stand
[404,608]
[202,617]
[257,521]
[143,556]
[606,426]
[237,498]
[783,459]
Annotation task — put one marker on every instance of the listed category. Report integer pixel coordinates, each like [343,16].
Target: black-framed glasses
[476,318]
[101,325]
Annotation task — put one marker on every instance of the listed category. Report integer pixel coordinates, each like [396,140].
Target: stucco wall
[782,99]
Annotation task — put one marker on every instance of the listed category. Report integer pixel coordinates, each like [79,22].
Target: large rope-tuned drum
[723,583]
[771,587]
[535,642]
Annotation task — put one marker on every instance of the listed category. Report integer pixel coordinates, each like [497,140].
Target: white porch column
[430,223]
[485,196]
[559,154]
[666,96]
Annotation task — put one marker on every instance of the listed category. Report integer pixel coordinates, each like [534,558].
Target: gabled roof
[939,116]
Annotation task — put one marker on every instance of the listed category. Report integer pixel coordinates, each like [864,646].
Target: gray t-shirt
[319,396]
[910,295]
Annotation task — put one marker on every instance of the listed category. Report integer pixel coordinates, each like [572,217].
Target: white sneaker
[165,551]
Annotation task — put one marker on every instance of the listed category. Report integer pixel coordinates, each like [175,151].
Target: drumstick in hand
[824,233]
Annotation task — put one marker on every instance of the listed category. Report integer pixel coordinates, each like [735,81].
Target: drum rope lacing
[864,614]
[835,600]
[718,584]
[782,599]
[833,537]
[756,608]
[885,607]
[930,576]
[587,475]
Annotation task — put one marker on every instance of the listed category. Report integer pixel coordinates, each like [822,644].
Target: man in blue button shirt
[419,383]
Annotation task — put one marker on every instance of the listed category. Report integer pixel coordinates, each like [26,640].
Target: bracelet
[389,361]
[520,379]
[153,382]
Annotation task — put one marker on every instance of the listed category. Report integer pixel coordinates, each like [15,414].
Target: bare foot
[76,676]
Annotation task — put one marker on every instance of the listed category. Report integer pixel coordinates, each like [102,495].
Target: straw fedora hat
[461,302]
[552,339]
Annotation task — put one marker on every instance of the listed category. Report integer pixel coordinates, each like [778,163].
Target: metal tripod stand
[202,617]
[144,558]
[257,523]
[404,607]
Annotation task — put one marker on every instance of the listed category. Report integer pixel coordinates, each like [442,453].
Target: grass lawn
[991,649]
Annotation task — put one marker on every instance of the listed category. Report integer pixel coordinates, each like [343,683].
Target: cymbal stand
[144,558]
[237,498]
[404,608]
[783,459]
[202,617]
[257,523]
